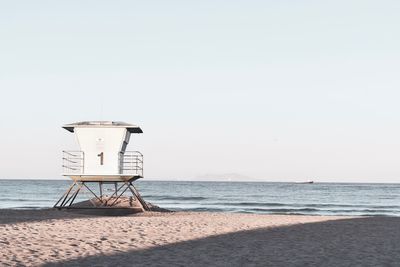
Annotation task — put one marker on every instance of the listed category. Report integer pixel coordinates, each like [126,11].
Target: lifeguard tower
[103,161]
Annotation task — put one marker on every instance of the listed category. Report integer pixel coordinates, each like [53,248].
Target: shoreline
[82,212]
[57,238]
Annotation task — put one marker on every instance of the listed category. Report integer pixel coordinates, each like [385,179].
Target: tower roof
[103,124]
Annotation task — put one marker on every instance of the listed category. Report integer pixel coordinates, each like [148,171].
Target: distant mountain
[224,177]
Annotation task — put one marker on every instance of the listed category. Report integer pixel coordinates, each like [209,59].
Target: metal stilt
[68,198]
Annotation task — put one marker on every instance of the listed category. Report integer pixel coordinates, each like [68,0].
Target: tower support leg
[68,198]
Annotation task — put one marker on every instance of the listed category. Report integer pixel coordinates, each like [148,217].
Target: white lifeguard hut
[103,160]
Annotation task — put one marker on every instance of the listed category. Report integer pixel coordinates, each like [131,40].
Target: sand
[57,238]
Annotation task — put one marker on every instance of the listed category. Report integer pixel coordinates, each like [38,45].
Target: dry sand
[57,238]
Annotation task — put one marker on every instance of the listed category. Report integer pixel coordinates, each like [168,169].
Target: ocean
[248,197]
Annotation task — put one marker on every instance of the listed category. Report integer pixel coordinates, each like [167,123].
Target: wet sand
[58,238]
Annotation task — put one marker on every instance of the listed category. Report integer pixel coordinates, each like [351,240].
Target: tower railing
[131,163]
[73,162]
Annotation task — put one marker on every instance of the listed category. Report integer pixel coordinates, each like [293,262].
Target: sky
[269,90]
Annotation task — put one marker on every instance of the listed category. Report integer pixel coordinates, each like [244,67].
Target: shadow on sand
[369,241]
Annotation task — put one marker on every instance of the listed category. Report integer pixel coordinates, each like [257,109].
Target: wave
[25,200]
[325,205]
[174,198]
[286,210]
[298,211]
[200,209]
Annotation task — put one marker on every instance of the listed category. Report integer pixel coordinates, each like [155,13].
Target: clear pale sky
[272,90]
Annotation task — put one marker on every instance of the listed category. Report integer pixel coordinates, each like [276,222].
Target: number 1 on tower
[101,155]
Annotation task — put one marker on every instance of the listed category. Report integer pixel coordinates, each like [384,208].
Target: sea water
[247,197]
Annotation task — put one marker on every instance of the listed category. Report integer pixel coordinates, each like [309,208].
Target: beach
[58,238]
